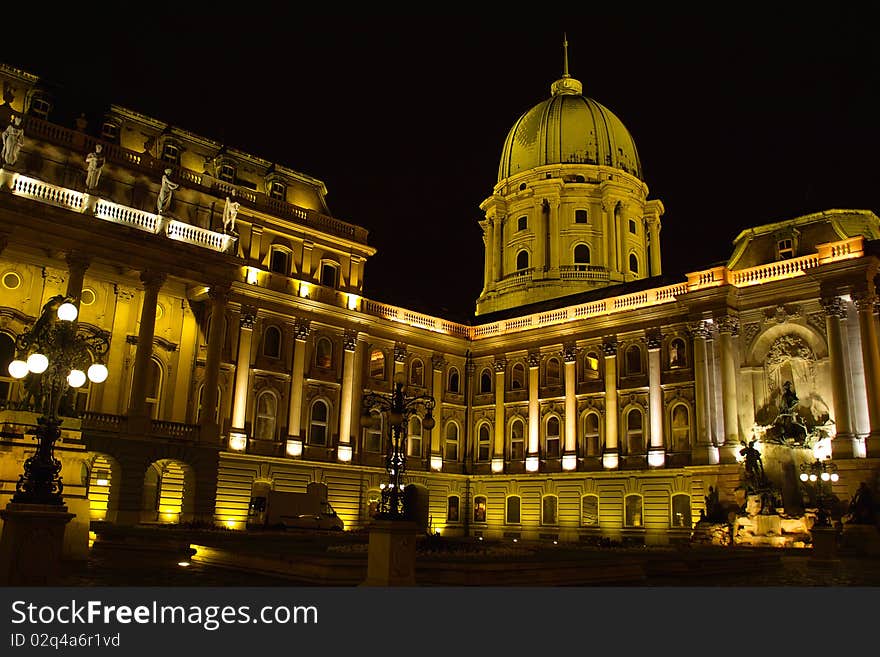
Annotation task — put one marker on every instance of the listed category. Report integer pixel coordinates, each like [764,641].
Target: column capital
[438,363]
[77,260]
[153,279]
[399,352]
[500,364]
[864,301]
[247,320]
[699,329]
[301,330]
[349,340]
[834,307]
[609,346]
[728,324]
[569,352]
[219,292]
[123,293]
[534,358]
[654,339]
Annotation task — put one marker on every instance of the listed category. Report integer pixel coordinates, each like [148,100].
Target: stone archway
[168,492]
[104,477]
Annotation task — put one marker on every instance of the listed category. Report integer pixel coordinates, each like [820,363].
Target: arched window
[272,342]
[318,423]
[486,381]
[329,274]
[548,510]
[453,384]
[551,438]
[264,418]
[511,512]
[417,372]
[681,511]
[415,437]
[553,373]
[7,355]
[480,508]
[635,441]
[450,445]
[484,443]
[632,511]
[517,440]
[582,256]
[590,510]
[155,382]
[279,260]
[591,366]
[592,443]
[681,428]
[324,353]
[633,263]
[373,435]
[517,377]
[633,360]
[522,260]
[452,509]
[199,407]
[377,364]
[677,353]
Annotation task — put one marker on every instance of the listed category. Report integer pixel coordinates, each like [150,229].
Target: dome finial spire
[565,55]
[566,85]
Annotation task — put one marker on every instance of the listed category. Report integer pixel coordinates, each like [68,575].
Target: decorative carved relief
[534,358]
[750,332]
[817,321]
[569,352]
[834,307]
[500,364]
[349,340]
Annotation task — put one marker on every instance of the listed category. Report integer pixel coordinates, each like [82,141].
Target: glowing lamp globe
[18,369]
[812,477]
[825,476]
[76,378]
[67,312]
[97,373]
[834,476]
[804,476]
[37,363]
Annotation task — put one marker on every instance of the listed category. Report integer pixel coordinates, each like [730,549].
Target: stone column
[399,359]
[255,243]
[656,451]
[210,430]
[489,245]
[611,451]
[438,364]
[112,401]
[500,424]
[77,264]
[728,327]
[306,271]
[703,451]
[569,453]
[297,374]
[843,445]
[138,420]
[349,347]
[865,304]
[540,243]
[498,237]
[242,371]
[554,238]
[532,461]
[654,244]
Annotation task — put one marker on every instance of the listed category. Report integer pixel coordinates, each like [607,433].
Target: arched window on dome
[486,381]
[633,263]
[517,377]
[522,260]
[581,257]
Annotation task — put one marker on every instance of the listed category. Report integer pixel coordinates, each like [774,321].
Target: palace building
[590,397]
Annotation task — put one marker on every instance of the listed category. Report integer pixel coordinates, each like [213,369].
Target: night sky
[739,119]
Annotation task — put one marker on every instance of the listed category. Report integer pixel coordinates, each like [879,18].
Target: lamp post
[399,407]
[54,356]
[821,473]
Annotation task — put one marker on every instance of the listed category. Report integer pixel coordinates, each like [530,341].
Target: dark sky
[740,119]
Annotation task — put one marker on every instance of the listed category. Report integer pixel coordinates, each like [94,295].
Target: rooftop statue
[13,138]
[95,162]
[163,202]
[230,212]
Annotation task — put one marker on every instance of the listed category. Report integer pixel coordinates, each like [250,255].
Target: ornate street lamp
[55,356]
[398,407]
[821,473]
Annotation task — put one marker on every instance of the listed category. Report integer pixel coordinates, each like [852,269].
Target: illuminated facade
[590,397]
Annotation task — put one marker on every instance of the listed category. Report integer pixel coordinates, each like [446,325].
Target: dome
[568,128]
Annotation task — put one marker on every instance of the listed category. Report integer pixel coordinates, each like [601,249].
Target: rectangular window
[278,262]
[227,173]
[786,249]
[548,510]
[171,153]
[110,132]
[277,190]
[512,514]
[522,223]
[328,275]
[415,446]
[373,441]
[452,509]
[552,447]
[40,107]
[580,216]
[632,227]
[451,452]
[517,453]
[483,451]
[479,509]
